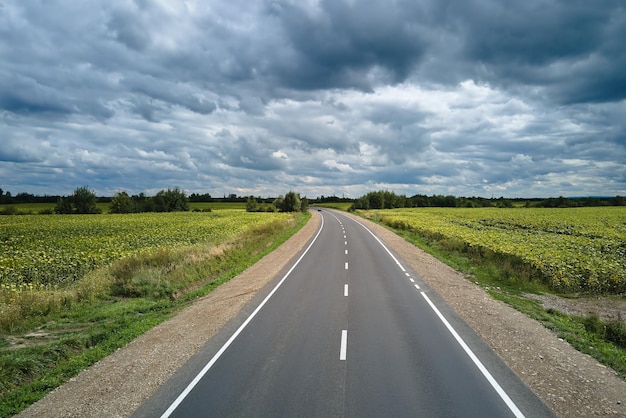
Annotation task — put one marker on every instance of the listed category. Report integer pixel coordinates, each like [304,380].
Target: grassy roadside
[506,280]
[42,352]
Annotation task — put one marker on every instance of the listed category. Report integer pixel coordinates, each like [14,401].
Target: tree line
[290,202]
[384,199]
[85,201]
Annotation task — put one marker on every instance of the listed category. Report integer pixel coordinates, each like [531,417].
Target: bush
[171,201]
[83,201]
[122,203]
[8,210]
[252,205]
[291,202]
[613,331]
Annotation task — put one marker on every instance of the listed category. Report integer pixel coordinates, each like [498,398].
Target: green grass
[344,206]
[216,205]
[59,345]
[28,208]
[603,340]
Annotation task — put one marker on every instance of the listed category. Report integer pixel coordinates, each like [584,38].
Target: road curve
[348,331]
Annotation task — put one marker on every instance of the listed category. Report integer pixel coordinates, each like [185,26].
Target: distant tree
[252,205]
[144,203]
[84,201]
[195,197]
[279,203]
[122,203]
[292,202]
[361,203]
[618,201]
[63,206]
[171,200]
[304,204]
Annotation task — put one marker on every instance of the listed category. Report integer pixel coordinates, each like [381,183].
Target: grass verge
[508,281]
[42,352]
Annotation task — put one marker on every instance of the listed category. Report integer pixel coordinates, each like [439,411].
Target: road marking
[346,252]
[346,265]
[345,290]
[345,243]
[382,245]
[344,237]
[476,361]
[412,281]
[221,351]
[417,287]
[344,344]
[496,386]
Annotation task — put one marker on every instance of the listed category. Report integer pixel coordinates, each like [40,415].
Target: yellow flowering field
[576,249]
[49,251]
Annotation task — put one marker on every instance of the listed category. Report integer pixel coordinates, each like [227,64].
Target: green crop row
[576,249]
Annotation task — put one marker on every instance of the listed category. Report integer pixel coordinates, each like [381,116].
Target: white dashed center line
[345,290]
[344,344]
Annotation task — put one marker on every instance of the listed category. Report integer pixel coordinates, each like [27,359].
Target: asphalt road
[347,331]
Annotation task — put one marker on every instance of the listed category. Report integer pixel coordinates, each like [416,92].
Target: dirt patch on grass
[610,308]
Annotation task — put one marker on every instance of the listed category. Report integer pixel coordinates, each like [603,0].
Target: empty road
[346,331]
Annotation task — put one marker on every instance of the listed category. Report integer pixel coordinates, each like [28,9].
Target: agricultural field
[571,250]
[53,251]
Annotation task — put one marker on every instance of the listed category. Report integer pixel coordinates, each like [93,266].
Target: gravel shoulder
[569,382]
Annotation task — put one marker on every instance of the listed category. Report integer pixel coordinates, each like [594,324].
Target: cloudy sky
[470,97]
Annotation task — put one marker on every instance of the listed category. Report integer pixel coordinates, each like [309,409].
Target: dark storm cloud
[571,48]
[344,44]
[328,96]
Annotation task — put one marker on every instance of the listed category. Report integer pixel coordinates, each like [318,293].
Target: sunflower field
[573,249]
[52,251]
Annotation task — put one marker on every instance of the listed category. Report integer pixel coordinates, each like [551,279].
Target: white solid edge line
[221,351]
[383,245]
[344,344]
[476,361]
[457,337]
